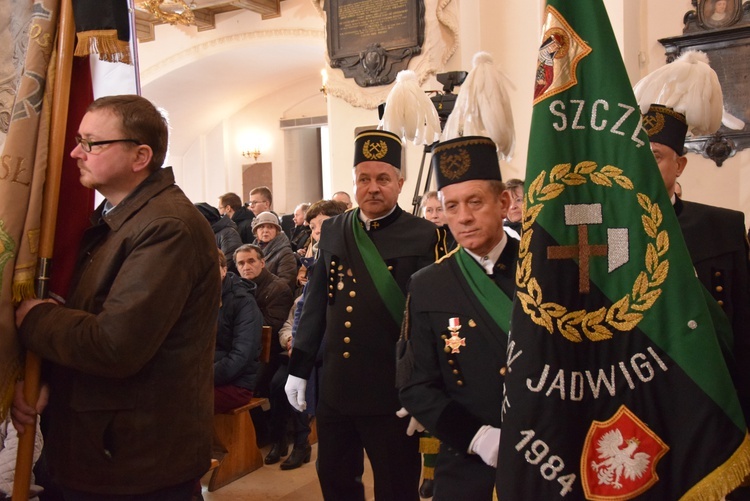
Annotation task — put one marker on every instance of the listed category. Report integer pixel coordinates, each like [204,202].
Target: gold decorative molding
[149,13]
[182,13]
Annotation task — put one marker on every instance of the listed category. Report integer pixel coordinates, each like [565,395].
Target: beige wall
[213,163]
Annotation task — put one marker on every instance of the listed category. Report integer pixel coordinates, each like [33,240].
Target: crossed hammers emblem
[375,150]
[616,249]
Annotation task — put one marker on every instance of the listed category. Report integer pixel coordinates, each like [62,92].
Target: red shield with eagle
[619,458]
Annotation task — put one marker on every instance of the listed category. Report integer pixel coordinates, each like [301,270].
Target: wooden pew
[313,438]
[236,432]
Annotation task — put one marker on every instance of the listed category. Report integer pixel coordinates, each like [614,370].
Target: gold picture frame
[716,14]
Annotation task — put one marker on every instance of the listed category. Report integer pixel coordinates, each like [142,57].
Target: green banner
[617,387]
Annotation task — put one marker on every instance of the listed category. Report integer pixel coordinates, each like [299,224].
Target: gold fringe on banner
[8,386]
[725,478]
[104,43]
[22,290]
[23,286]
[429,445]
[428,472]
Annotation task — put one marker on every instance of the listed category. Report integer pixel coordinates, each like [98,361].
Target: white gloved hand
[414,425]
[295,392]
[486,444]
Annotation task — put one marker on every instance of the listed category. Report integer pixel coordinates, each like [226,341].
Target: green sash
[497,304]
[385,284]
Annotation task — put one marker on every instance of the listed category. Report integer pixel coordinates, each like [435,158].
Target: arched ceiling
[202,77]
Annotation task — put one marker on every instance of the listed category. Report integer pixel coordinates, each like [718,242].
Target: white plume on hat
[483,108]
[691,87]
[409,112]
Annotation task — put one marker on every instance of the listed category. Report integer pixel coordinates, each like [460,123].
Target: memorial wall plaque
[372,40]
[726,41]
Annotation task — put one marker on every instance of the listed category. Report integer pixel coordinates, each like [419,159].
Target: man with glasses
[129,357]
[231,206]
[261,200]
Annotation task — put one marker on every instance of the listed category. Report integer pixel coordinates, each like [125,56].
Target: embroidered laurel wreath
[624,314]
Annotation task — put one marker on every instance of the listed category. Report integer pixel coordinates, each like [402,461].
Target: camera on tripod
[445,101]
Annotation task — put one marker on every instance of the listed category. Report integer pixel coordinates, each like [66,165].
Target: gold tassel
[22,289]
[429,445]
[725,478]
[104,43]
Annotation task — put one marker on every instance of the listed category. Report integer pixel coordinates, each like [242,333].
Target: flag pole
[60,97]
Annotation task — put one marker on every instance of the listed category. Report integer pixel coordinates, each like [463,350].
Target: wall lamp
[251,153]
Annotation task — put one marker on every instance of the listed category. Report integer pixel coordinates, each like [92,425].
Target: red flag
[76,201]
[105,44]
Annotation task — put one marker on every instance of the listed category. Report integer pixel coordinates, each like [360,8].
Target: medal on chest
[455,341]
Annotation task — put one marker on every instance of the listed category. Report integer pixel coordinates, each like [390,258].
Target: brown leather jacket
[131,372]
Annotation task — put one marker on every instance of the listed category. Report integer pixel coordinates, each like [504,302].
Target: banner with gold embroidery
[28,37]
[27,72]
[616,385]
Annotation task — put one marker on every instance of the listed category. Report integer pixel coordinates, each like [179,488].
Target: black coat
[274,300]
[454,394]
[227,239]
[238,337]
[243,218]
[358,373]
[718,247]
[300,237]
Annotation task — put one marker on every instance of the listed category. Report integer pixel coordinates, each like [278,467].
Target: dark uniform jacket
[718,247]
[342,304]
[131,376]
[454,394]
[446,241]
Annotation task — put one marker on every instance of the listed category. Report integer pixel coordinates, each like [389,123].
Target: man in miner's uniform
[355,299]
[715,236]
[458,314]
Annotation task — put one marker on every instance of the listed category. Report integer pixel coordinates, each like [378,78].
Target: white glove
[486,444]
[295,391]
[414,425]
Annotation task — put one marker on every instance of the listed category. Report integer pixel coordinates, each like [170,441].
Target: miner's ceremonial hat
[377,145]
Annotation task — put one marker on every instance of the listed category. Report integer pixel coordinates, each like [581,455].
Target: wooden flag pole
[60,97]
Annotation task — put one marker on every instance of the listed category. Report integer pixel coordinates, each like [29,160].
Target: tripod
[443,103]
[417,200]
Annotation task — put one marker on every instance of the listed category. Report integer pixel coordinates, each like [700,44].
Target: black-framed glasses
[86,145]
